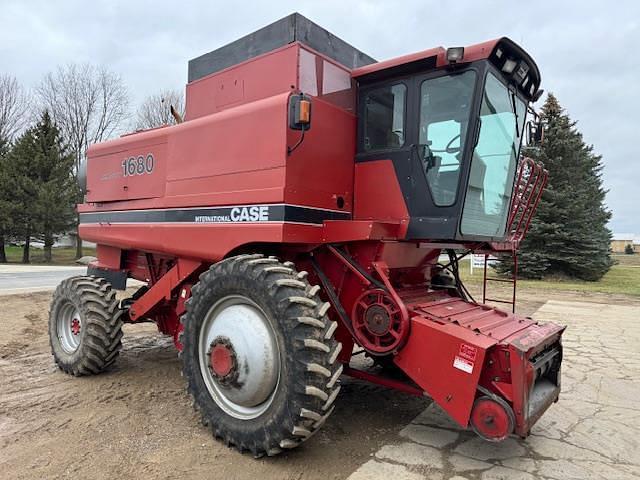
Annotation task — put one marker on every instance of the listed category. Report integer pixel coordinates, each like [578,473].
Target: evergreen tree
[38,174]
[568,234]
[56,192]
[21,185]
[18,190]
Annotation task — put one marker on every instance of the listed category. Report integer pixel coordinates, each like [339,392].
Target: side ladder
[512,280]
[531,178]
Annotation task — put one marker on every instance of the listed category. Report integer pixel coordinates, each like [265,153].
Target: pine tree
[568,234]
[38,175]
[56,188]
[20,184]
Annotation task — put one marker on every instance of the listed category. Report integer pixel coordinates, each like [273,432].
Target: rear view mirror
[535,133]
[534,129]
[538,133]
[300,112]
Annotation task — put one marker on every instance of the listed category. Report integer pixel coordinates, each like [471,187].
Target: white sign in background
[477,261]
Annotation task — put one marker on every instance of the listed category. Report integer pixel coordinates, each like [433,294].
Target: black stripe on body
[234,214]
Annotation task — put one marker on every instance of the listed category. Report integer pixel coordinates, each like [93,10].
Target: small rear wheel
[85,326]
[259,354]
[492,418]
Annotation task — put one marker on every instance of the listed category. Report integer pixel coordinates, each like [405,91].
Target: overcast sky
[587,51]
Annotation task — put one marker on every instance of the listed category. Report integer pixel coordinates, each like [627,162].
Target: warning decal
[468,351]
[466,357]
[462,364]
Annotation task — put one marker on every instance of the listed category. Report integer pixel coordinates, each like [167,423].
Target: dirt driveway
[136,421]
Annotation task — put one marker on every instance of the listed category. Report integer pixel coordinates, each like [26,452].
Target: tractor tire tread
[101,325]
[310,349]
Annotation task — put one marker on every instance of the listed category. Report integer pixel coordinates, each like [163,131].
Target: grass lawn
[623,278]
[61,256]
[627,259]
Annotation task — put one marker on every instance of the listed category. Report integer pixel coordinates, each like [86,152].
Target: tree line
[44,136]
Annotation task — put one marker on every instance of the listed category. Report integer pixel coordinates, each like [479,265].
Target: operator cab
[451,122]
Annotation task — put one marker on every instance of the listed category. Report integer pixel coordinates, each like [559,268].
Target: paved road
[34,278]
[593,432]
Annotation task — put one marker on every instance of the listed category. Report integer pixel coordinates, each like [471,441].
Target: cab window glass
[384,117]
[494,161]
[445,106]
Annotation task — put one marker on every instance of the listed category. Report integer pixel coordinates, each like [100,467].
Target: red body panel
[321,169]
[261,77]
[371,179]
[209,161]
[428,359]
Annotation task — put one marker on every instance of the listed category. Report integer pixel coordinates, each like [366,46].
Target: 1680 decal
[139,165]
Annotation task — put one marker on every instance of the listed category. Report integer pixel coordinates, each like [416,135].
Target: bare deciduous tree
[89,104]
[14,115]
[14,108]
[155,110]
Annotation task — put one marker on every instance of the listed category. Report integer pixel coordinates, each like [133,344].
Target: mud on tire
[307,352]
[85,326]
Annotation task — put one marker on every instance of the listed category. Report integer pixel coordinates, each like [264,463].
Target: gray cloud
[586,51]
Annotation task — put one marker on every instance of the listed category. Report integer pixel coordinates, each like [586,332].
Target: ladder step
[509,302]
[505,280]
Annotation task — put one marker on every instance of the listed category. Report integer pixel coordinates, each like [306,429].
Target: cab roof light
[521,72]
[455,54]
[509,66]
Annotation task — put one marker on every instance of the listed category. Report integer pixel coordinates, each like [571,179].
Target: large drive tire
[85,326]
[259,355]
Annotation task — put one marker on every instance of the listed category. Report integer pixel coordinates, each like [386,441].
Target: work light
[455,54]
[509,65]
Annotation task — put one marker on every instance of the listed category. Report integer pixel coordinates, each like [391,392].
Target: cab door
[386,144]
[444,106]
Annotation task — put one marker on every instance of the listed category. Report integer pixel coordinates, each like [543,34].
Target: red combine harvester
[297,217]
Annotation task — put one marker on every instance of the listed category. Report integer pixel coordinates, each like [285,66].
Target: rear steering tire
[259,355]
[85,326]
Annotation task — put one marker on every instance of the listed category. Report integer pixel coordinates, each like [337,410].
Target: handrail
[531,180]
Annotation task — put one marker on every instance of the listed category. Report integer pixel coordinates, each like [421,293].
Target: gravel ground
[135,421]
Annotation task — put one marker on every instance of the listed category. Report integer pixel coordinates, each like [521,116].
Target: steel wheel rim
[240,322]
[69,327]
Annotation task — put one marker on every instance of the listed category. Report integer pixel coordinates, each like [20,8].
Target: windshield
[445,107]
[494,161]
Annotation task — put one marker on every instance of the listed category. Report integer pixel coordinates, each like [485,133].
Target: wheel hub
[239,357]
[223,360]
[69,327]
[75,326]
[492,419]
[378,319]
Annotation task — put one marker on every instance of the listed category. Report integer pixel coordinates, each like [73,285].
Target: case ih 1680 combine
[297,216]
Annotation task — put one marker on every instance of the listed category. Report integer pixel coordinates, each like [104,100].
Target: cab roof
[497,51]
